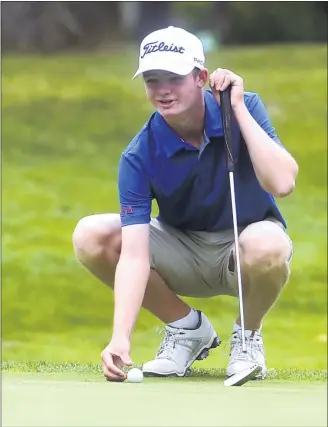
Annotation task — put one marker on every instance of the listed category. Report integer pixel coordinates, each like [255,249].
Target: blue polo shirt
[191,185]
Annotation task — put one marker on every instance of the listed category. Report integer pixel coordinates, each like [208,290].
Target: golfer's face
[171,94]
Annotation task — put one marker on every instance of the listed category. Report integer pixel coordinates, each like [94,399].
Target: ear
[202,77]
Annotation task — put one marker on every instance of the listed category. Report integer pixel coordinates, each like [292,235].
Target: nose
[165,88]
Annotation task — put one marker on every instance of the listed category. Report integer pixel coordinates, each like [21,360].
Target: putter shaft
[240,289]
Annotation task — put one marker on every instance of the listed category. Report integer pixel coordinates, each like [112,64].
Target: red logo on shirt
[126,210]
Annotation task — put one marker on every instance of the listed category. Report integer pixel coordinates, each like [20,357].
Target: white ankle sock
[237,328]
[188,322]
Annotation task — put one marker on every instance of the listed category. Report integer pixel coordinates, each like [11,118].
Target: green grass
[65,121]
[94,370]
[74,400]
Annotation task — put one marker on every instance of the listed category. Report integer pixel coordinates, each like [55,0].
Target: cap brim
[180,69]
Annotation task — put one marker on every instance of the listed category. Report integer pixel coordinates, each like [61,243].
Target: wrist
[239,109]
[120,333]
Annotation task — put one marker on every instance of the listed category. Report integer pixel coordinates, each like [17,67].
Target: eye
[176,78]
[151,79]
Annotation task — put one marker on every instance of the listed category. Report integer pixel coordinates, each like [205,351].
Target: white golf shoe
[240,361]
[181,347]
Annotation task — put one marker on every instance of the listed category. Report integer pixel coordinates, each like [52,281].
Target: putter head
[243,376]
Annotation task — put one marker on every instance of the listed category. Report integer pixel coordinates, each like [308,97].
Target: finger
[212,81]
[212,77]
[110,365]
[219,81]
[235,80]
[111,376]
[121,361]
[114,378]
[126,359]
[226,82]
[216,76]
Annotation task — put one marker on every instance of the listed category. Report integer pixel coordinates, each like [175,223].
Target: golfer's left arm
[275,168]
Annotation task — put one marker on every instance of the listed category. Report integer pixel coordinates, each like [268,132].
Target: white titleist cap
[171,49]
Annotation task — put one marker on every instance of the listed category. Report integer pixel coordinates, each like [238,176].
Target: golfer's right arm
[133,268]
[131,278]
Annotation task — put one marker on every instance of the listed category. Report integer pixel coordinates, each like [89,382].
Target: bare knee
[265,251]
[97,236]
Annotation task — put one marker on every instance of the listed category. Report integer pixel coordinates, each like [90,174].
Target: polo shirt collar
[172,143]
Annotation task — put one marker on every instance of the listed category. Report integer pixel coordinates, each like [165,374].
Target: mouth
[166,104]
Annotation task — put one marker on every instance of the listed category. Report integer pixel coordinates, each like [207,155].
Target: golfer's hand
[220,79]
[114,357]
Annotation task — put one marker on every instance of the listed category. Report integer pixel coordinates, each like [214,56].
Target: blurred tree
[44,26]
[276,22]
[153,15]
[50,26]
[256,22]
[220,19]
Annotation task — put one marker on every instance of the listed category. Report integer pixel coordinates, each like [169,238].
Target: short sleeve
[258,111]
[134,191]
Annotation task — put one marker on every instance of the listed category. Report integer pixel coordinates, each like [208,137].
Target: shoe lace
[168,343]
[253,346]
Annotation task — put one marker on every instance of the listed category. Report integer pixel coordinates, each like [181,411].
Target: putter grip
[226,113]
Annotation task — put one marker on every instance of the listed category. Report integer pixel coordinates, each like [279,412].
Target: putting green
[62,400]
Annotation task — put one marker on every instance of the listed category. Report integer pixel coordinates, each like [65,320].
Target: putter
[227,115]
[243,376]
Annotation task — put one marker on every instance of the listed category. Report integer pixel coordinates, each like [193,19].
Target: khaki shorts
[198,263]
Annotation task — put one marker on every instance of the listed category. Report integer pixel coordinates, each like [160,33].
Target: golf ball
[135,375]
